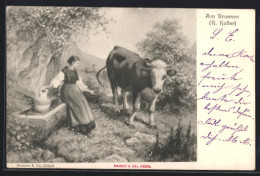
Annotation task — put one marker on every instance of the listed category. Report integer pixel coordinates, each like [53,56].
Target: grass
[16,100]
[112,131]
[181,145]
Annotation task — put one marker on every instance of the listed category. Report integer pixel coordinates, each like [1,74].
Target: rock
[123,150]
[57,160]
[12,157]
[112,158]
[38,153]
[26,157]
[163,138]
[126,150]
[143,137]
[116,148]
[71,156]
[23,157]
[47,155]
[132,141]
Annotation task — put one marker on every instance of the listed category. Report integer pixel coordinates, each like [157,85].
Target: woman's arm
[83,87]
[57,80]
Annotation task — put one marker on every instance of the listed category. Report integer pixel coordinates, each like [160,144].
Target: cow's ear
[147,62]
[145,71]
[171,72]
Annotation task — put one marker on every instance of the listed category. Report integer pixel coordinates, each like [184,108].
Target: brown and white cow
[130,72]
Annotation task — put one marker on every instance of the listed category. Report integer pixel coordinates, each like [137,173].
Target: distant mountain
[86,60]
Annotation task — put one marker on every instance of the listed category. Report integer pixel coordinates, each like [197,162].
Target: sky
[131,25]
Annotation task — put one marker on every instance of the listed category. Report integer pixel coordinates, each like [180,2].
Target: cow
[127,70]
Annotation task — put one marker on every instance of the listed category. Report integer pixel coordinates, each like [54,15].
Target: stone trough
[45,123]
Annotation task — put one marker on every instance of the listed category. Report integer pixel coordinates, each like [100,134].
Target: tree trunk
[53,67]
[44,64]
[29,55]
[13,57]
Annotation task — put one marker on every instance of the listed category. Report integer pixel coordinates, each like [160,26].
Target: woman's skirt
[78,110]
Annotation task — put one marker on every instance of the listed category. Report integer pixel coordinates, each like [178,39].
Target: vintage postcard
[130,88]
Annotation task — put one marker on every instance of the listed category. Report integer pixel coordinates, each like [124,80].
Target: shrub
[180,146]
[166,42]
[19,135]
[179,92]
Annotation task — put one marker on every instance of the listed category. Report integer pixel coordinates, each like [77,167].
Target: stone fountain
[42,103]
[46,113]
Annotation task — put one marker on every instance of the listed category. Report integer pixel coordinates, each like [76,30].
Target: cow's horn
[146,69]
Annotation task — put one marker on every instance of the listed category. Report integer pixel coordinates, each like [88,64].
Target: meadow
[173,140]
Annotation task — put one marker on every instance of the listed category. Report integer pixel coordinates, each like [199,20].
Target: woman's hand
[90,91]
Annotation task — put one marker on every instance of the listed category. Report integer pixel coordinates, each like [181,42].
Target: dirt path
[113,138]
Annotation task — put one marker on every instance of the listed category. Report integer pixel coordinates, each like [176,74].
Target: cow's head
[159,71]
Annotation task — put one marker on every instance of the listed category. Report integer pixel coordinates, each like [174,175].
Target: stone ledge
[45,122]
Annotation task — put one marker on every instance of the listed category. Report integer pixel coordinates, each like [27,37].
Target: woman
[80,117]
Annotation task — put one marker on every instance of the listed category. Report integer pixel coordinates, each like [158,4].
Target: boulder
[112,158]
[147,138]
[123,150]
[47,155]
[57,160]
[132,141]
[37,153]
[26,157]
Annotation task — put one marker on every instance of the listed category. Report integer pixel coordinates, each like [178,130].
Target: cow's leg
[146,105]
[125,104]
[151,119]
[151,112]
[124,94]
[115,95]
[136,107]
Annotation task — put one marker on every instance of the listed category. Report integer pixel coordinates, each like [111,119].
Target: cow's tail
[97,76]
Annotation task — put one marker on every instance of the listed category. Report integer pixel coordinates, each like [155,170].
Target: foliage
[166,42]
[56,24]
[36,155]
[181,146]
[179,92]
[19,135]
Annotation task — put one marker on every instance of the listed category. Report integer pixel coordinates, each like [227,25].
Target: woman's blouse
[69,77]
